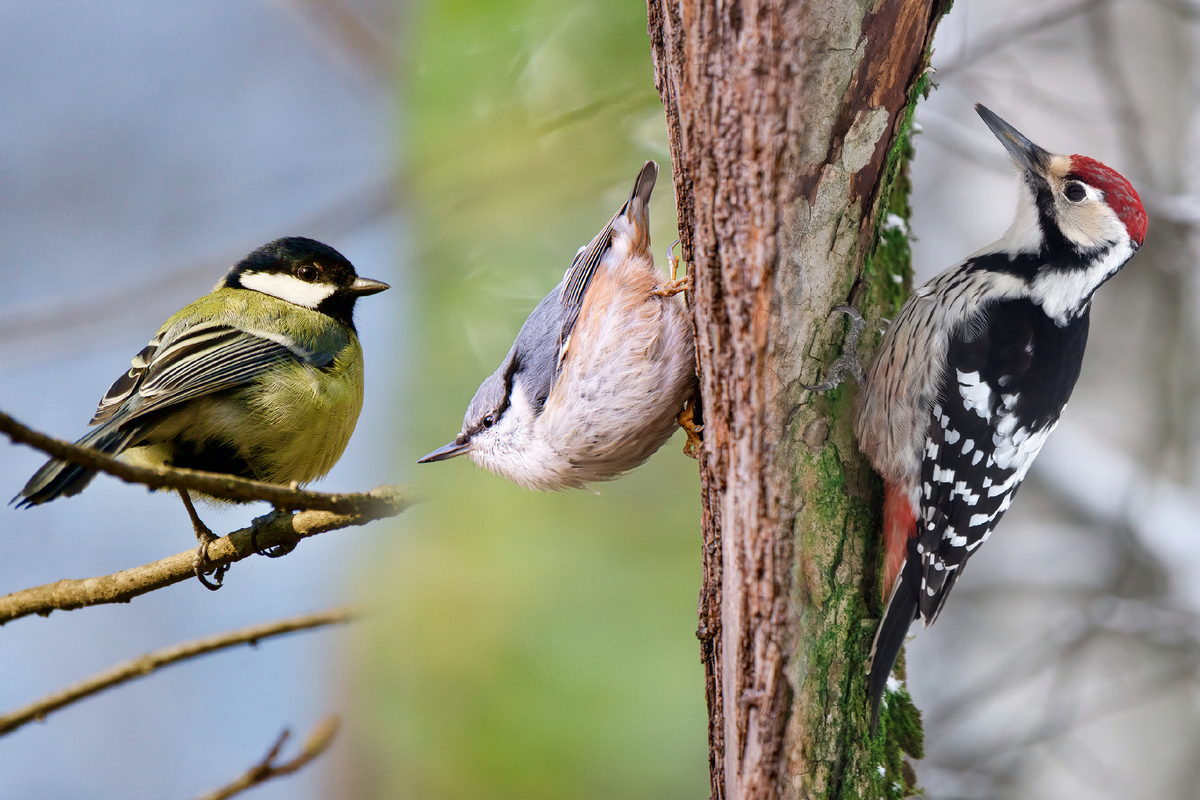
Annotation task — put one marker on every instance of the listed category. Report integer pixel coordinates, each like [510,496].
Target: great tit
[262,378]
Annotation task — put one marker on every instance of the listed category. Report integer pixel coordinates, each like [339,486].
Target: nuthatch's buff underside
[599,373]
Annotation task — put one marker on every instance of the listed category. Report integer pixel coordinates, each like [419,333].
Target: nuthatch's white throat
[599,373]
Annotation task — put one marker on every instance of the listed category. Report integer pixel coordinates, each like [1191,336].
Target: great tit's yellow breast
[306,415]
[294,421]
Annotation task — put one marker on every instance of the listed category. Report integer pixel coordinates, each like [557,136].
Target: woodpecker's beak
[456,448]
[365,286]
[1028,155]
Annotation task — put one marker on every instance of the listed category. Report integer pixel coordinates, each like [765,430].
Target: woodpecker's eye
[489,421]
[307,274]
[1075,192]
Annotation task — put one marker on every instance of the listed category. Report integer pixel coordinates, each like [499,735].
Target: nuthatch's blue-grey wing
[637,210]
[202,360]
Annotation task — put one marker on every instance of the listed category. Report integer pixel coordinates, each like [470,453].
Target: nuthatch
[600,372]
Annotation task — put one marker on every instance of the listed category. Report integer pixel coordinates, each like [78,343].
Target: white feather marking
[288,288]
[976,395]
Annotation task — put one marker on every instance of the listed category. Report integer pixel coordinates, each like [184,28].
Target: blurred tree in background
[528,645]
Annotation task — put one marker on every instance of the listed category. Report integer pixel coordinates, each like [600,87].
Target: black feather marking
[968,492]
[893,628]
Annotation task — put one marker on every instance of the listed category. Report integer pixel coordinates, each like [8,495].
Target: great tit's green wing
[584,265]
[202,360]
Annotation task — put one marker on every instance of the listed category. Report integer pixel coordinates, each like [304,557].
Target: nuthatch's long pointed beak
[365,286]
[1028,155]
[456,448]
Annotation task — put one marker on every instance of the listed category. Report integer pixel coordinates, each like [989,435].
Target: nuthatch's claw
[674,287]
[847,363]
[687,421]
[676,284]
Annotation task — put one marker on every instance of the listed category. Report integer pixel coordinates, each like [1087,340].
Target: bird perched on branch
[599,374]
[972,375]
[262,379]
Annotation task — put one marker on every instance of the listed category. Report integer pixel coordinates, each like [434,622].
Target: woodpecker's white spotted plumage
[976,369]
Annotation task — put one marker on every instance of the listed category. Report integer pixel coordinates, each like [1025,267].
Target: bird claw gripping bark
[847,363]
[676,284]
[687,421]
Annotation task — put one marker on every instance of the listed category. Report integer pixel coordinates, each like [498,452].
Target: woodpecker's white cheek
[288,288]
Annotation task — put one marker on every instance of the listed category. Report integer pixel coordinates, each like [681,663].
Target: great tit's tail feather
[58,478]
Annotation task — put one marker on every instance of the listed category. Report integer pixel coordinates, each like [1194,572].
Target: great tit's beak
[1028,155]
[456,448]
[365,286]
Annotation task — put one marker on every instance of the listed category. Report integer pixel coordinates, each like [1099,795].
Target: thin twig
[225,487]
[318,742]
[151,662]
[123,586]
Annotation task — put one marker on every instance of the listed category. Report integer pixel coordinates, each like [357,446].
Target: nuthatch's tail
[58,478]
[637,207]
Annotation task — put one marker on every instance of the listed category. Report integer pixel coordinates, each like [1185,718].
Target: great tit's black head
[304,272]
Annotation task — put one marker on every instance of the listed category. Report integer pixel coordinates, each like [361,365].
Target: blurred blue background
[143,148]
[528,645]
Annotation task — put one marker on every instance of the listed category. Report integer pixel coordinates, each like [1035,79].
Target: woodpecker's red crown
[1120,195]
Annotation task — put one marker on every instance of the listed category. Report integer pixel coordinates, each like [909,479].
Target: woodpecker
[974,372]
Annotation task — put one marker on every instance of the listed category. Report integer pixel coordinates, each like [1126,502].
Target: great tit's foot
[258,523]
[687,421]
[847,362]
[201,565]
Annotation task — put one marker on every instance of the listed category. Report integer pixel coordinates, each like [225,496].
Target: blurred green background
[527,645]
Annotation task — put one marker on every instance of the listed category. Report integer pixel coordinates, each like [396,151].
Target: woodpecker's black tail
[59,478]
[889,638]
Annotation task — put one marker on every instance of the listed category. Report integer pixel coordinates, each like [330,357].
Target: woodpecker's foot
[847,363]
[687,421]
[258,523]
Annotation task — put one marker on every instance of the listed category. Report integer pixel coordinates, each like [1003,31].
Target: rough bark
[788,123]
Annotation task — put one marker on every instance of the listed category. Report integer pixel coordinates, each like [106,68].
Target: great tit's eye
[1075,192]
[307,274]
[489,421]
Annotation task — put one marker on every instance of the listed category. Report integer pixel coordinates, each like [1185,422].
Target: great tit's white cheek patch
[288,288]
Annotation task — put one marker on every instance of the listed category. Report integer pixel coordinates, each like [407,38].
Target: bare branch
[123,586]
[1001,37]
[318,742]
[226,487]
[156,660]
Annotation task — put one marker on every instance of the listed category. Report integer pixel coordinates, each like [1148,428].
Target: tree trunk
[788,126]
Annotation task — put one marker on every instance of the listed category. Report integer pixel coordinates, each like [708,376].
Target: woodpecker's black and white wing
[1009,375]
[583,267]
